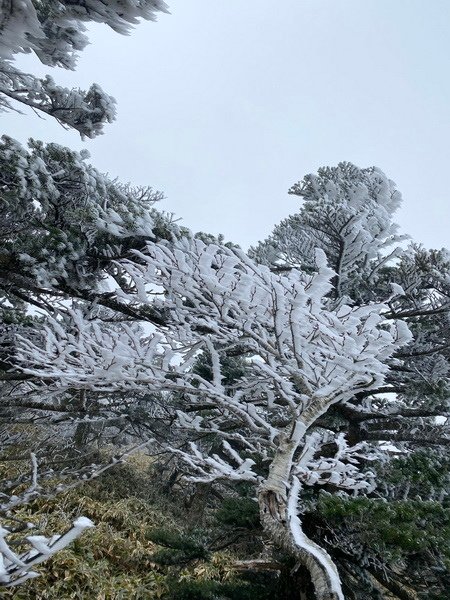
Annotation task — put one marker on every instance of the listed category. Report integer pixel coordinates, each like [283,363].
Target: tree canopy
[305,380]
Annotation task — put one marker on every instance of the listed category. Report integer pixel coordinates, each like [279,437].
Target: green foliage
[396,528]
[396,543]
[239,512]
[178,547]
[420,474]
[214,590]
[233,367]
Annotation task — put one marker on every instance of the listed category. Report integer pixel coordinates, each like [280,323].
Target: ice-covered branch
[55,32]
[341,470]
[230,467]
[309,355]
[15,568]
[85,112]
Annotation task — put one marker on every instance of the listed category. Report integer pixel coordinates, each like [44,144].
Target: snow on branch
[55,32]
[211,468]
[346,211]
[341,470]
[16,568]
[302,354]
[293,339]
[55,29]
[85,111]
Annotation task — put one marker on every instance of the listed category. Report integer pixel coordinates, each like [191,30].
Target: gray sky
[224,104]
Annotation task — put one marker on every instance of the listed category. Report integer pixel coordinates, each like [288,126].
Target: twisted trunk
[278,497]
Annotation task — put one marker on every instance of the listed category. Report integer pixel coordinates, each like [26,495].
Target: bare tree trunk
[278,509]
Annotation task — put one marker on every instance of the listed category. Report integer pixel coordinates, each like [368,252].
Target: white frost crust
[306,544]
[15,570]
[18,22]
[305,353]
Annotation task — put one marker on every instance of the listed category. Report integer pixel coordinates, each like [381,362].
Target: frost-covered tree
[347,212]
[55,31]
[268,375]
[303,355]
[63,225]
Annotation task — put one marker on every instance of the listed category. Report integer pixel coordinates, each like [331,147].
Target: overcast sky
[224,104]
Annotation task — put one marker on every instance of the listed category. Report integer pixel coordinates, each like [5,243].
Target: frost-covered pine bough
[304,354]
[346,211]
[55,32]
[63,222]
[63,225]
